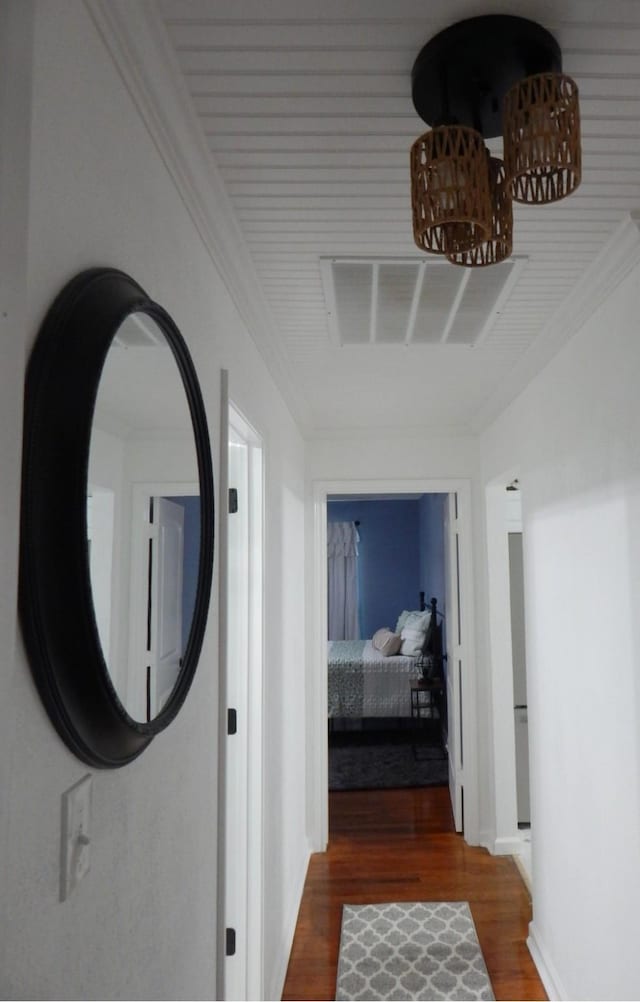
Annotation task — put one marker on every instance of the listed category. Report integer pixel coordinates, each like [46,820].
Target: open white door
[454,660]
[165,601]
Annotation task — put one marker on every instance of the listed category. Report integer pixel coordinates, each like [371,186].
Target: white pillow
[414,633]
[386,642]
[402,618]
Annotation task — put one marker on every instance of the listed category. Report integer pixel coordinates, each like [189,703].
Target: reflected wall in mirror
[115,569]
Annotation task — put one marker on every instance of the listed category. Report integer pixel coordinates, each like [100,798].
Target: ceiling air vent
[400,301]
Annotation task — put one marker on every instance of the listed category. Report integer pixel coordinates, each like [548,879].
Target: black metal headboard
[433,604]
[434,643]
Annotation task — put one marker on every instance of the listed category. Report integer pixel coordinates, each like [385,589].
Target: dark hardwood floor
[399,845]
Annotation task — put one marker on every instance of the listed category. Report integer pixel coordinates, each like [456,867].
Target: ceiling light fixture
[489,76]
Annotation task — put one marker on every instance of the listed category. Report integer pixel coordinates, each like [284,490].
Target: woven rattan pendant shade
[541,128]
[450,189]
[500,243]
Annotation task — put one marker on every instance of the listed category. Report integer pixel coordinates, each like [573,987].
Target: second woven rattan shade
[541,128]
[500,244]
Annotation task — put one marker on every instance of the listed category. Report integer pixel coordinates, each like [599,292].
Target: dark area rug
[385,759]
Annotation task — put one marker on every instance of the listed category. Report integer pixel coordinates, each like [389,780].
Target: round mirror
[117,517]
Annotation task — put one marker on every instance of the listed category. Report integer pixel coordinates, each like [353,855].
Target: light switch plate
[75,836]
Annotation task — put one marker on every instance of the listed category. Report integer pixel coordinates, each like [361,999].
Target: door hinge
[230,942]
[233,500]
[232,721]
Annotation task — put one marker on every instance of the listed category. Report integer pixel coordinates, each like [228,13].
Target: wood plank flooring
[399,845]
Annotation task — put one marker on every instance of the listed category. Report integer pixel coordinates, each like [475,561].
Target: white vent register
[402,301]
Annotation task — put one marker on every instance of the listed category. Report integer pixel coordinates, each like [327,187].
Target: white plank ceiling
[306,109]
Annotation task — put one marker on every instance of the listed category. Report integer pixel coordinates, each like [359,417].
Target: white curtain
[342,555]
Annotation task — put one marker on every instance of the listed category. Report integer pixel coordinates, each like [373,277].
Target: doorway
[506,598]
[460,648]
[240,873]
[385,556]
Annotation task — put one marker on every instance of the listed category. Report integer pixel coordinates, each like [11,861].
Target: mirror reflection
[143,517]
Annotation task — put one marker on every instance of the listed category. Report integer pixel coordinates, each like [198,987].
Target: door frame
[318,765]
[141,493]
[253,724]
[506,838]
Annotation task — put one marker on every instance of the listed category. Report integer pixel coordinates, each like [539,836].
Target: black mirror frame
[56,605]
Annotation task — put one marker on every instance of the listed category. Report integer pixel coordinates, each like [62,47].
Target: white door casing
[317,776]
[166,652]
[100,536]
[135,614]
[455,742]
[240,850]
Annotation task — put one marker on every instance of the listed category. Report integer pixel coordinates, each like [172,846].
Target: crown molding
[611,265]
[142,53]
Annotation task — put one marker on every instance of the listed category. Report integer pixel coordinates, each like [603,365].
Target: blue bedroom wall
[190,559]
[432,577]
[401,553]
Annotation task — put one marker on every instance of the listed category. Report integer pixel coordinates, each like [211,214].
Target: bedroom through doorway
[459,633]
[387,719]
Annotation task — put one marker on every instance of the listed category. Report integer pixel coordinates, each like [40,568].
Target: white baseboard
[507,846]
[502,846]
[546,970]
[274,979]
[524,873]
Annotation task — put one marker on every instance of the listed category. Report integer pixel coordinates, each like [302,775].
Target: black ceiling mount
[461,76]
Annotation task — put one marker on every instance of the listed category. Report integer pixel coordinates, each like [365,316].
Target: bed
[363,682]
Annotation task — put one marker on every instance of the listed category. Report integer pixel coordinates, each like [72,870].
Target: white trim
[486,839]
[506,846]
[255,706]
[500,660]
[274,980]
[143,55]
[141,493]
[611,265]
[252,906]
[223,562]
[545,967]
[317,778]
[523,871]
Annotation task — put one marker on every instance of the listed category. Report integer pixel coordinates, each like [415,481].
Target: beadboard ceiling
[306,110]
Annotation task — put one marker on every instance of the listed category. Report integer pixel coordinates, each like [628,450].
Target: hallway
[400,845]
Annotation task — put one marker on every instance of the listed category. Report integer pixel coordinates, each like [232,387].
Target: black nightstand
[427,696]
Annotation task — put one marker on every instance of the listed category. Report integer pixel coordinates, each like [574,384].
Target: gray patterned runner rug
[410,950]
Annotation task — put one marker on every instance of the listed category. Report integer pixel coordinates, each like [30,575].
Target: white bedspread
[365,683]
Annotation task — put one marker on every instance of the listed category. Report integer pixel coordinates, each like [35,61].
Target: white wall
[573,436]
[108,566]
[142,922]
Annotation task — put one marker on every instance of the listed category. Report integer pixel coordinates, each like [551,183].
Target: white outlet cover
[75,836]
